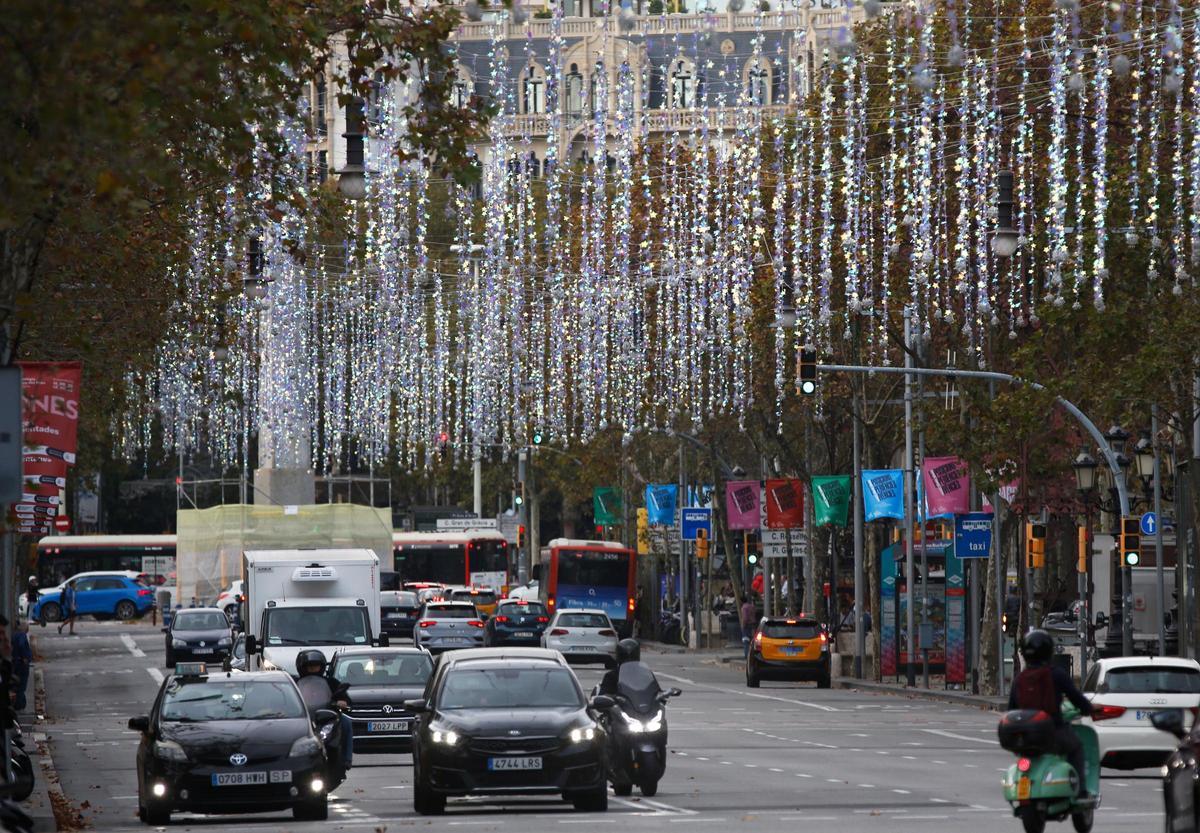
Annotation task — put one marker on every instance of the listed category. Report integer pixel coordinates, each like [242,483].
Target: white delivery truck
[297,599]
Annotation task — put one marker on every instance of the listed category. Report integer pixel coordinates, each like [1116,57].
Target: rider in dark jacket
[310,667]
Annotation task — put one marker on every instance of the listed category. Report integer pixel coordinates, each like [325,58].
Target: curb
[43,806]
[956,698]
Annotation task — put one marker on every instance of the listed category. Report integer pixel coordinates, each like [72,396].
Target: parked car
[379,680]
[198,633]
[399,610]
[102,595]
[444,626]
[517,623]
[229,598]
[1125,692]
[582,635]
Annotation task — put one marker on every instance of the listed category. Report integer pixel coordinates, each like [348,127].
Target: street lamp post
[1085,481]
[1116,437]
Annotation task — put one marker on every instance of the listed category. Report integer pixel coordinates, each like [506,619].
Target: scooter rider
[628,650]
[1042,686]
[310,667]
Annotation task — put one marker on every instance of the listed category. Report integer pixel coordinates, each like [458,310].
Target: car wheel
[426,801]
[824,682]
[154,814]
[623,789]
[751,675]
[170,662]
[592,802]
[315,810]
[51,612]
[649,788]
[126,610]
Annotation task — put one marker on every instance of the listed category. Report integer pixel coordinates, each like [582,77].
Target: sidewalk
[959,698]
[47,803]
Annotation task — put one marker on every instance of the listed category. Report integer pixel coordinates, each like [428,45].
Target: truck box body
[298,599]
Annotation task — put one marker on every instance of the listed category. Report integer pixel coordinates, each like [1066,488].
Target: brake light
[146,592]
[758,638]
[550,602]
[1023,764]
[559,632]
[824,637]
[428,623]
[501,618]
[475,623]
[632,602]
[543,620]
[1106,712]
[607,632]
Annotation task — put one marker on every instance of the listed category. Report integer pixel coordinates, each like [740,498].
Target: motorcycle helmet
[628,650]
[1037,646]
[306,659]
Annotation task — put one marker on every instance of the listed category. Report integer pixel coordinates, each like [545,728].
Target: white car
[1124,692]
[582,635]
[527,592]
[229,598]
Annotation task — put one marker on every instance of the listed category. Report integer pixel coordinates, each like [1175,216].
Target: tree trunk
[990,650]
[20,251]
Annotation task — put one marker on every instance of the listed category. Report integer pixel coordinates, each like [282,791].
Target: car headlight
[637,726]
[169,750]
[447,737]
[305,746]
[583,733]
[178,643]
[224,642]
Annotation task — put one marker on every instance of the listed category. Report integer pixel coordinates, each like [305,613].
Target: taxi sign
[190,669]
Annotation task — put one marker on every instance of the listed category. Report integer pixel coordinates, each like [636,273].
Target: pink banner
[947,486]
[741,504]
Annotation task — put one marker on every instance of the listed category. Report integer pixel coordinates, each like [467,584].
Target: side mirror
[321,716]
[251,644]
[140,724]
[165,629]
[674,692]
[416,706]
[1168,720]
[602,702]
[384,640]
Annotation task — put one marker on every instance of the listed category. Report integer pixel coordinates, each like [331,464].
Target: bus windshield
[437,562]
[593,568]
[489,555]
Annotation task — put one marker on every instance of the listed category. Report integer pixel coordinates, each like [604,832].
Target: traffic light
[808,371]
[701,544]
[1131,541]
[443,440]
[1081,567]
[751,557]
[521,536]
[1035,545]
[537,437]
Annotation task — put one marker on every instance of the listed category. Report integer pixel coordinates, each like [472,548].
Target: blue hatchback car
[102,596]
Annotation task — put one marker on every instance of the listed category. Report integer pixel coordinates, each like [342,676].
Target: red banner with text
[785,504]
[50,413]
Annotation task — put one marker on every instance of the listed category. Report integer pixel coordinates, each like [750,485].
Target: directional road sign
[1149,523]
[695,519]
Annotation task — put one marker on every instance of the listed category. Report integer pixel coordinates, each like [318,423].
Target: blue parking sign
[693,520]
[973,535]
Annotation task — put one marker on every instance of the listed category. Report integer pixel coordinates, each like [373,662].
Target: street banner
[831,499]
[643,532]
[973,535]
[606,506]
[785,503]
[883,494]
[956,622]
[50,421]
[947,486]
[701,495]
[660,503]
[741,503]
[1008,491]
[889,586]
[694,519]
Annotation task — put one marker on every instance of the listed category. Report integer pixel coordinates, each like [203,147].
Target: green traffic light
[537,437]
[520,500]
[1132,559]
[752,559]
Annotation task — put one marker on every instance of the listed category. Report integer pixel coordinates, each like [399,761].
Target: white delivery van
[298,599]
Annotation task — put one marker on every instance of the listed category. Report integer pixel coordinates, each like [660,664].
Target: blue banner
[660,503]
[883,494]
[973,535]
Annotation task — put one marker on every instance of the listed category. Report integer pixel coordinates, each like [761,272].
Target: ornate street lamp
[352,179]
[1005,238]
[1144,451]
[1085,473]
[1116,437]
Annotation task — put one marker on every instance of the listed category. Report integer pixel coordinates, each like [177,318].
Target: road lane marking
[725,690]
[587,821]
[132,646]
[961,737]
[902,792]
[155,674]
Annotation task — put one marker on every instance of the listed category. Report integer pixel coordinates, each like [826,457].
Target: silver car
[582,635]
[444,626]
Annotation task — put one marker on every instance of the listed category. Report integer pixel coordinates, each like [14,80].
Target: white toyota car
[1124,692]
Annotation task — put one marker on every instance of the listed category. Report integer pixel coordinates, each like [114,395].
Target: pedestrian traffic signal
[1035,545]
[808,371]
[701,544]
[1131,541]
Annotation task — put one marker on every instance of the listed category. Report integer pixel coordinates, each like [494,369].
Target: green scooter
[1041,786]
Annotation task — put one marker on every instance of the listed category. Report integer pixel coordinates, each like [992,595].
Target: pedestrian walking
[32,592]
[748,614]
[68,607]
[22,659]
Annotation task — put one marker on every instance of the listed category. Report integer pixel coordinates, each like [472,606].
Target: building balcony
[657,121]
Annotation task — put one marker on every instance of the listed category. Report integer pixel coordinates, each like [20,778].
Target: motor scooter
[636,726]
[323,711]
[1041,786]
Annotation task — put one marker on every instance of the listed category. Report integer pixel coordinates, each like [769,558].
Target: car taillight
[824,638]
[632,602]
[1023,764]
[1106,712]
[145,592]
[758,638]
[428,623]
[543,620]
[475,623]
[607,632]
[501,618]
[559,632]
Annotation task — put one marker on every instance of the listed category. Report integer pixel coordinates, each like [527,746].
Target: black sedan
[228,742]
[399,610]
[1181,772]
[516,622]
[379,681]
[507,721]
[198,634]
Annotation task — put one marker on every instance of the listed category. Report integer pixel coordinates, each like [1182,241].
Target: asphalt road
[774,758]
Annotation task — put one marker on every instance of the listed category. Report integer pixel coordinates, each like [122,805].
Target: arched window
[758,81]
[533,90]
[683,84]
[574,84]
[464,89]
[598,96]
[532,166]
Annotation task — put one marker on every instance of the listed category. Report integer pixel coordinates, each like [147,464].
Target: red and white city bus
[592,574]
[478,558]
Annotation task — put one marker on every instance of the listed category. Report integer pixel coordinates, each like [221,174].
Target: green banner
[606,506]
[831,499]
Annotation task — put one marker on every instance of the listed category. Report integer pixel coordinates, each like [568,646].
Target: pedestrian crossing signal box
[1035,546]
[1131,541]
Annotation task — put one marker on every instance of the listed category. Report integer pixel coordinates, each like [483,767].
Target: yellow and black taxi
[789,648]
[228,742]
[484,599]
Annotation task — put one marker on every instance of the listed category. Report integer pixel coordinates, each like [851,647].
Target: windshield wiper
[287,640]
